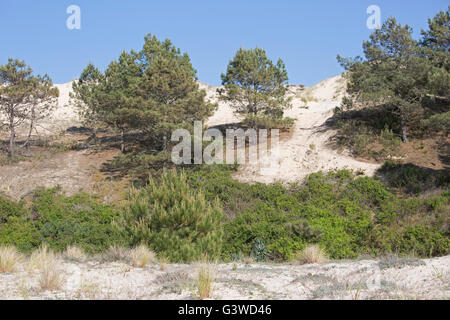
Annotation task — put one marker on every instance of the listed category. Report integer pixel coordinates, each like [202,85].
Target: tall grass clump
[41,258]
[313,254]
[75,253]
[50,276]
[204,281]
[174,219]
[9,259]
[141,256]
[48,264]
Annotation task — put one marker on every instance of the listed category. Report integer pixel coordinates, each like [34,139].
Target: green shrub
[21,233]
[388,139]
[9,208]
[266,122]
[77,220]
[413,179]
[203,212]
[175,220]
[61,221]
[419,240]
[345,214]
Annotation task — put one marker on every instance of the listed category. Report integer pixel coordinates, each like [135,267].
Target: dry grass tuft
[48,264]
[204,282]
[9,259]
[163,261]
[313,254]
[141,256]
[116,253]
[50,278]
[75,253]
[41,258]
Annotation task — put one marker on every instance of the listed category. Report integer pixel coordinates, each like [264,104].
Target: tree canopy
[254,85]
[153,91]
[24,98]
[401,74]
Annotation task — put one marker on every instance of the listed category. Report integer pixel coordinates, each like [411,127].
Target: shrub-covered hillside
[197,214]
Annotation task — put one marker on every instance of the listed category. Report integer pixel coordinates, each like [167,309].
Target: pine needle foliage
[175,219]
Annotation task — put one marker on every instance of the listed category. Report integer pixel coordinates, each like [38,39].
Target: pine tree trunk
[30,131]
[122,141]
[12,137]
[404,130]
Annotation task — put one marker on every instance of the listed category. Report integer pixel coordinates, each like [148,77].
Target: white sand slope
[65,115]
[307,151]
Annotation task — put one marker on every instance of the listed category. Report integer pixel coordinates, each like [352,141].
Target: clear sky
[306,34]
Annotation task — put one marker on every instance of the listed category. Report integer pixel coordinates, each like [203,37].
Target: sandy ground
[389,278]
[65,115]
[73,171]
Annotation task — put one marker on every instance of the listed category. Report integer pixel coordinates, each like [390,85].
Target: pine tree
[169,92]
[435,44]
[24,98]
[254,85]
[107,98]
[436,40]
[175,220]
[153,91]
[393,75]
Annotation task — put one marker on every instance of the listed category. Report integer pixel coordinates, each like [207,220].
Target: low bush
[141,256]
[413,179]
[313,254]
[264,122]
[59,221]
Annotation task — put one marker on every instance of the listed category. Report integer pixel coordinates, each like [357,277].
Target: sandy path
[307,151]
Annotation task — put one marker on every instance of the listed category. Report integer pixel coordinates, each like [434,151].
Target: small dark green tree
[175,220]
[23,98]
[108,98]
[254,85]
[169,91]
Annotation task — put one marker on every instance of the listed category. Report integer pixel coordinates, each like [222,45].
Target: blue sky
[307,35]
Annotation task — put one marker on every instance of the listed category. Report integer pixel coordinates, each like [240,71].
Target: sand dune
[307,151]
